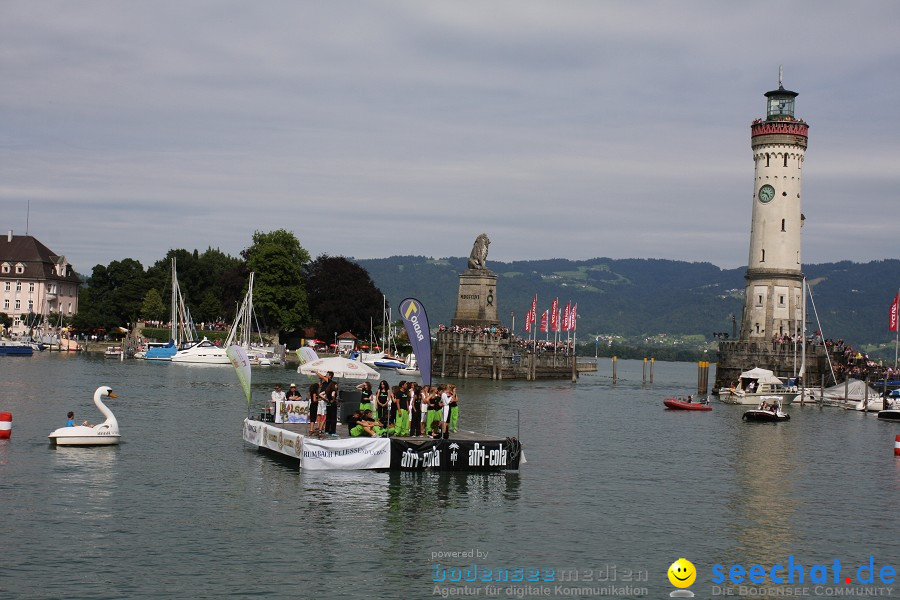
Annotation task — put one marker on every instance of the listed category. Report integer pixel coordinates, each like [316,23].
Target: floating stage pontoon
[464,451]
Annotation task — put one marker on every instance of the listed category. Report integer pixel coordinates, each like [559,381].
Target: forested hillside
[646,297]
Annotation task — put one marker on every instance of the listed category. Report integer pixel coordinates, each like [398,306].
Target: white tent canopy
[762,376]
[343,368]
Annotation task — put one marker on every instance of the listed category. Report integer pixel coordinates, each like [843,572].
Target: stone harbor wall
[486,355]
[738,356]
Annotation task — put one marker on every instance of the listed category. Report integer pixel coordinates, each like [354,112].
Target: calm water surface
[182,508]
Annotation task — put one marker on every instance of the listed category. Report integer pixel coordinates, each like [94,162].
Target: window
[18,304]
[18,286]
[757,328]
[767,160]
[6,304]
[759,300]
[7,286]
[52,288]
[782,225]
[763,258]
[17,321]
[785,159]
[780,300]
[31,306]
[20,268]
[70,308]
[31,288]
[5,268]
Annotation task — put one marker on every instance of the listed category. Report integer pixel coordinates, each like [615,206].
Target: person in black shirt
[382,396]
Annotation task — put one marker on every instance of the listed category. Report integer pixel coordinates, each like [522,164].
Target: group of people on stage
[406,409]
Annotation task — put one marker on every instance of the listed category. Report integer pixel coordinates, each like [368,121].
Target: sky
[562,129]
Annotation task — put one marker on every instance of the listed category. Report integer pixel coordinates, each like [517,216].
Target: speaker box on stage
[349,403]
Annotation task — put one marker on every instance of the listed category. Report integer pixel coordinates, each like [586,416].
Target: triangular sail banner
[241,363]
[416,322]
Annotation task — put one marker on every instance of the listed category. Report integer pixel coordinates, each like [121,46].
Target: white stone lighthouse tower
[772,305]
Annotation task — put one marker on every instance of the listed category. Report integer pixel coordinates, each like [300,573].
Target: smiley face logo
[682,573]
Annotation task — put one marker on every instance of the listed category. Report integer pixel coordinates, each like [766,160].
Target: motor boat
[104,434]
[755,385]
[891,410]
[113,352]
[412,370]
[767,413]
[203,352]
[689,404]
[388,362]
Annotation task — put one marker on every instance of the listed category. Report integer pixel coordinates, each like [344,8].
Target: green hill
[639,298]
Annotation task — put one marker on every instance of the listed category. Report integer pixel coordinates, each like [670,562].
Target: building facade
[34,281]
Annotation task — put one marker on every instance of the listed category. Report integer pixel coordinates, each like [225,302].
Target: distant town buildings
[34,280]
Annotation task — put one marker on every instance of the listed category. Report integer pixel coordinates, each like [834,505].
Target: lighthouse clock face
[766,193]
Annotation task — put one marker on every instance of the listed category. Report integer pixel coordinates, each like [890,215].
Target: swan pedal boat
[104,434]
[679,404]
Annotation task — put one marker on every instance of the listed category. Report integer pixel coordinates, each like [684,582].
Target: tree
[200,274]
[342,296]
[279,294]
[5,321]
[210,308]
[113,297]
[153,308]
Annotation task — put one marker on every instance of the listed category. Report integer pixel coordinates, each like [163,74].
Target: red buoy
[6,425]
[896,445]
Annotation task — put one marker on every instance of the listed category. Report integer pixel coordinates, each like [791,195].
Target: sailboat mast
[173,323]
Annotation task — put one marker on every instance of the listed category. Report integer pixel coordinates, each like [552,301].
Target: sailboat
[181,327]
[242,330]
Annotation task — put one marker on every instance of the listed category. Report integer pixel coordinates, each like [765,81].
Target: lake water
[613,484]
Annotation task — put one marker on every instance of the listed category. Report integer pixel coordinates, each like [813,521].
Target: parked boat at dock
[757,385]
[15,348]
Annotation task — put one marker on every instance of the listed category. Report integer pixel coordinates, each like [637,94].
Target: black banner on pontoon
[455,455]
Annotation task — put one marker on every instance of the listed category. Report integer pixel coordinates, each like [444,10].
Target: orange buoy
[6,425]
[896,445]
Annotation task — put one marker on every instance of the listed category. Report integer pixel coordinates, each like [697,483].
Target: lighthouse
[773,299]
[773,302]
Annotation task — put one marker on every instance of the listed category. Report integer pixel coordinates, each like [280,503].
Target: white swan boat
[104,434]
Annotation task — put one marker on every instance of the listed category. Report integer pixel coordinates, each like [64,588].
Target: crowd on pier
[846,360]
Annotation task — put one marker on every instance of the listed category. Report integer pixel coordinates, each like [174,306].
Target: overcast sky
[568,129]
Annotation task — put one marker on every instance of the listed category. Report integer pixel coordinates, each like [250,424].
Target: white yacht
[203,352]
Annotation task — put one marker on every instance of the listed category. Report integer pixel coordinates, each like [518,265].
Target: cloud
[569,128]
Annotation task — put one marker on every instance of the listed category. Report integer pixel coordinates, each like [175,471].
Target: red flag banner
[534,309]
[573,323]
[892,317]
[565,323]
[528,321]
[554,315]
[544,321]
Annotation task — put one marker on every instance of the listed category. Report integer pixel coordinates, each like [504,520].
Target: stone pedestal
[476,303]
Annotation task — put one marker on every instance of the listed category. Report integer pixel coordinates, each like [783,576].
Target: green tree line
[292,292]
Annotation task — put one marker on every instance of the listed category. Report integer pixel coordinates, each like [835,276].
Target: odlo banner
[413,314]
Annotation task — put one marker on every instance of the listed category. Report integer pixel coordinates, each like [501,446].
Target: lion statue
[478,257]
